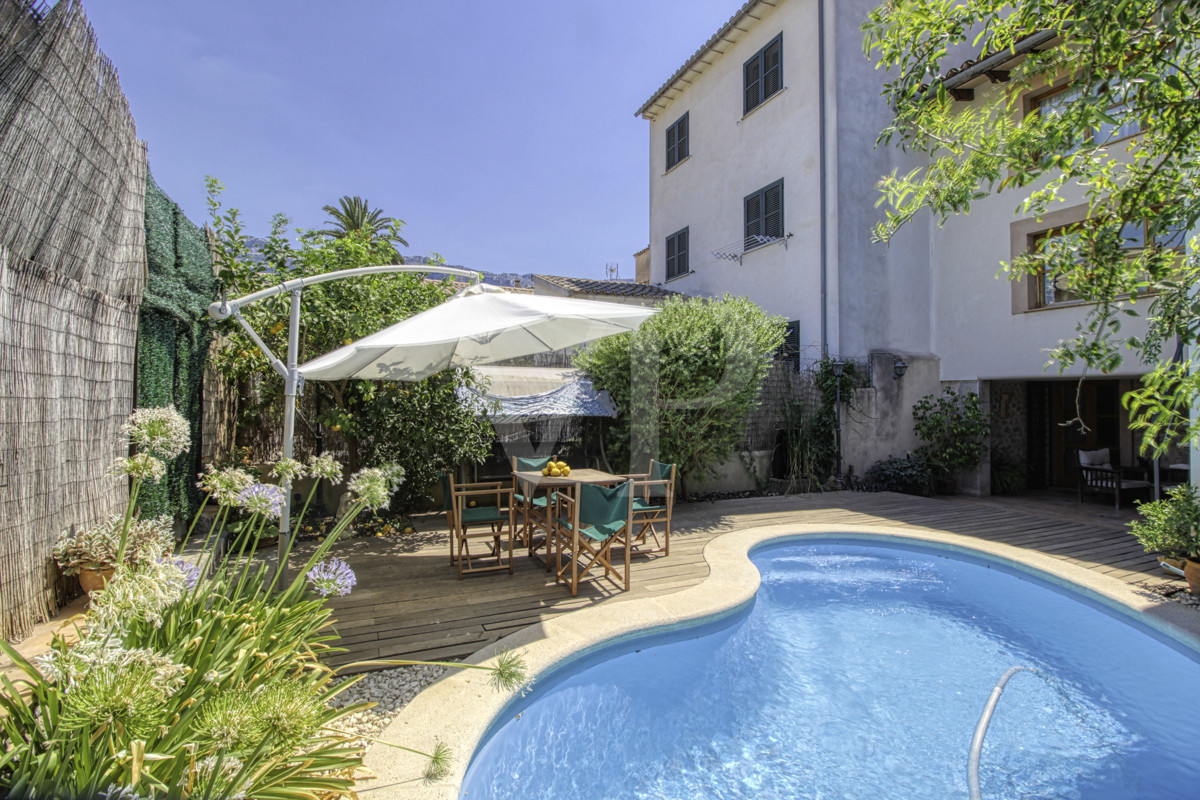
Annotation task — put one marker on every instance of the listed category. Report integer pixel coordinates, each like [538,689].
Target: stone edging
[460,707]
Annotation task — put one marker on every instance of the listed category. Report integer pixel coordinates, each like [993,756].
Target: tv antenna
[613,271]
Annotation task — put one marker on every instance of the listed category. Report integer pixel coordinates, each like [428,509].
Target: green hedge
[174,333]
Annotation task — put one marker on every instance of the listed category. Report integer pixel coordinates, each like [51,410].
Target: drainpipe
[821,146]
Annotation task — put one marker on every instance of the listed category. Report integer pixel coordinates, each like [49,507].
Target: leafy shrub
[1170,526]
[684,382]
[953,430]
[909,475]
[1008,475]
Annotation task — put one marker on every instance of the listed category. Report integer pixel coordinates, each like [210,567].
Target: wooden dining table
[533,482]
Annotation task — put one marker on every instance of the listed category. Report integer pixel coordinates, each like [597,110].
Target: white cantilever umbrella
[479,325]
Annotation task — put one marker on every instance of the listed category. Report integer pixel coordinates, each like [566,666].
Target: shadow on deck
[409,602]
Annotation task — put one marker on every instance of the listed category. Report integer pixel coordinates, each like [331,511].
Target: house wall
[731,156]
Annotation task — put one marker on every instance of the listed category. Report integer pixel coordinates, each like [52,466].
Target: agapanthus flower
[136,593]
[262,498]
[325,466]
[394,473]
[288,469]
[372,487]
[68,666]
[191,572]
[332,576]
[225,484]
[141,466]
[161,431]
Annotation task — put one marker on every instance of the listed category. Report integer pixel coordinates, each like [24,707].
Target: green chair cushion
[660,471]
[640,504]
[472,516]
[540,501]
[530,464]
[597,532]
[602,504]
[447,493]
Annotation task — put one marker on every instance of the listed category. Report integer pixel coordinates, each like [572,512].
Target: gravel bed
[390,689]
[1174,592]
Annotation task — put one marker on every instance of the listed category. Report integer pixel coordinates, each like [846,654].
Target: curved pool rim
[730,587]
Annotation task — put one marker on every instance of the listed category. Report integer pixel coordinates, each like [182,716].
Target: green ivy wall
[174,333]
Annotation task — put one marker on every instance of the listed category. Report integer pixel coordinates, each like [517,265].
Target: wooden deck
[409,602]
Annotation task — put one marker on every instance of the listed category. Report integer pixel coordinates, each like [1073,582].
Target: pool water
[860,672]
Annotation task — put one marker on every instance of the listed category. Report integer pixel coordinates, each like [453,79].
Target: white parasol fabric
[481,324]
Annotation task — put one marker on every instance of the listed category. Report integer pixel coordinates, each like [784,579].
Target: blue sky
[503,133]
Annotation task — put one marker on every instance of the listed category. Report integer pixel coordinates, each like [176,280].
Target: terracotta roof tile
[614,288]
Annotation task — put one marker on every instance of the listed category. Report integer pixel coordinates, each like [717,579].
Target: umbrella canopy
[479,325]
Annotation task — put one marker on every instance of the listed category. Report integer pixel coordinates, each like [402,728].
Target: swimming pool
[860,672]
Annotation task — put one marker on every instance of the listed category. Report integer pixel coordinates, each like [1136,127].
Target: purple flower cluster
[262,498]
[332,576]
[191,572]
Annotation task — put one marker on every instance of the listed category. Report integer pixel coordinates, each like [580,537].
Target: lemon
[545,470]
[348,342]
[408,529]
[566,471]
[562,465]
[470,503]
[379,534]
[335,427]
[555,472]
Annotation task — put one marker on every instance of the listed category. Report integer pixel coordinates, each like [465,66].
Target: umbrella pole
[293,387]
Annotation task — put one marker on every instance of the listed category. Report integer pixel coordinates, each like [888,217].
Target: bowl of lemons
[557,469]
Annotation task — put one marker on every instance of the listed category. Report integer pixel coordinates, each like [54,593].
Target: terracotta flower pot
[94,578]
[1191,571]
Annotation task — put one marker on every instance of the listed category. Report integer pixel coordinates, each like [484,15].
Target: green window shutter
[762,74]
[752,72]
[754,220]
[773,210]
[772,67]
[677,146]
[677,254]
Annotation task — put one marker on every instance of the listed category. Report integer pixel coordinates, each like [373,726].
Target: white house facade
[763,173]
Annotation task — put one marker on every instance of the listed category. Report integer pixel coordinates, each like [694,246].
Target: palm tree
[355,214]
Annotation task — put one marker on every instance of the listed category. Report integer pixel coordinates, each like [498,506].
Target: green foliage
[953,430]
[424,427]
[811,449]
[912,474]
[685,381]
[174,333]
[1008,474]
[420,425]
[212,689]
[1137,66]
[1171,526]
[355,214]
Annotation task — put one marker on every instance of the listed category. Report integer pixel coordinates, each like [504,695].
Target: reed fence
[72,271]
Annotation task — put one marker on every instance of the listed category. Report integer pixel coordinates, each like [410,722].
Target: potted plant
[92,553]
[1171,528]
[953,430]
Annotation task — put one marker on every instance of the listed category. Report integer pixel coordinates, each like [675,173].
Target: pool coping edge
[459,708]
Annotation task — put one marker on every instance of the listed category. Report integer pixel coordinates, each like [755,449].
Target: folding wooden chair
[533,509]
[585,529]
[653,501]
[476,505]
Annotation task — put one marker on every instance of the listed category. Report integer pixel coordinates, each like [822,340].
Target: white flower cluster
[160,431]
[93,651]
[141,467]
[325,466]
[225,484]
[137,593]
[288,469]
